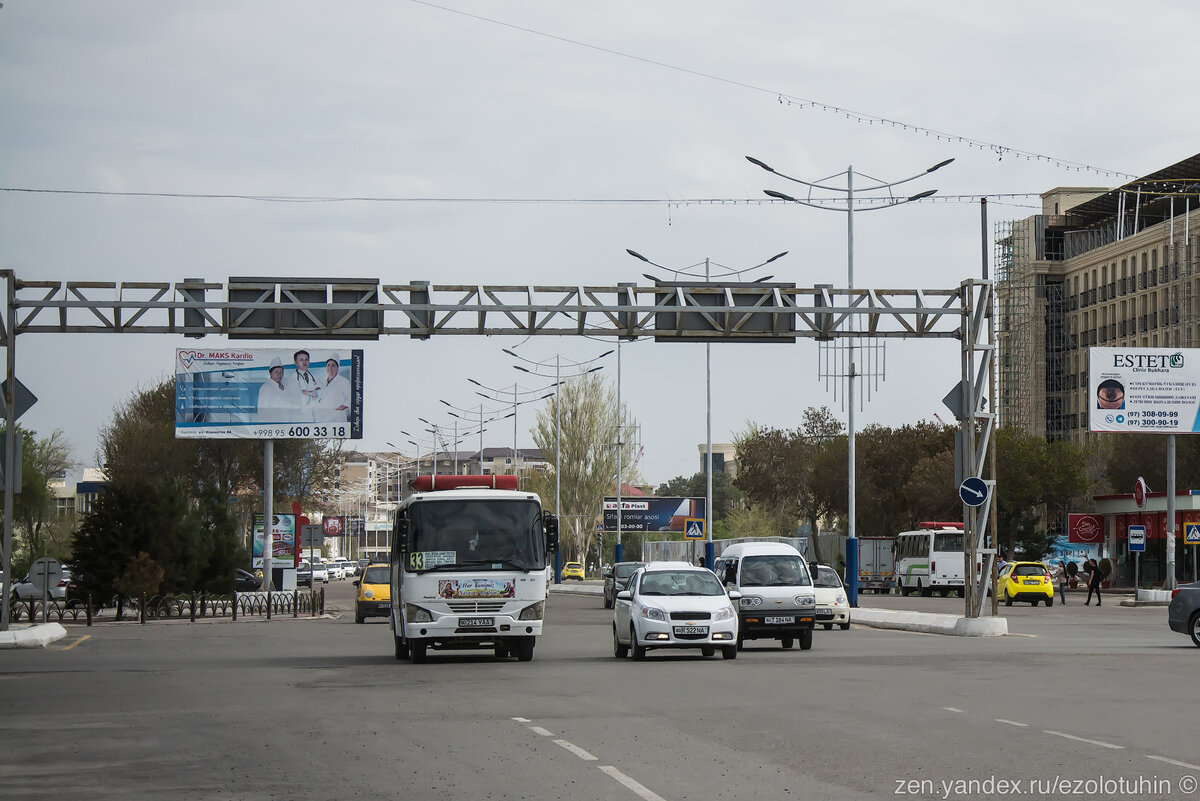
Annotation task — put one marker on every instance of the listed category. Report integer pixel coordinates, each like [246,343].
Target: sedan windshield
[476,535]
[625,571]
[377,575]
[681,582]
[827,577]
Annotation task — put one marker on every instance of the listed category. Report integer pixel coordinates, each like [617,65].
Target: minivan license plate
[693,630]
[778,620]
[476,622]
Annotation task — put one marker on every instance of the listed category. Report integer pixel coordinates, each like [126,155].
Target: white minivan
[778,600]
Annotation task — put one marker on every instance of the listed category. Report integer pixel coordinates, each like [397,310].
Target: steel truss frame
[363,309]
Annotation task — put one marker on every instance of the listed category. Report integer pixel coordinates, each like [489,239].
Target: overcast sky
[555,102]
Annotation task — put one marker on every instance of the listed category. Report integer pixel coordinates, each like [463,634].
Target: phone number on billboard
[302,432]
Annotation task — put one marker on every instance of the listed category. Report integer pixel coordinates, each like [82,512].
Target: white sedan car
[674,605]
[336,571]
[320,572]
[832,604]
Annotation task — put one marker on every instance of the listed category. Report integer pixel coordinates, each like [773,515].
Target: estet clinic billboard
[268,394]
[1149,390]
[641,513]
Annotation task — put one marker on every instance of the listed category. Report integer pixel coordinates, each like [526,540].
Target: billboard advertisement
[1147,390]
[651,514]
[268,394]
[1085,529]
[283,540]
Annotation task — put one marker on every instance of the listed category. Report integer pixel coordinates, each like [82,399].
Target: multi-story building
[1112,267]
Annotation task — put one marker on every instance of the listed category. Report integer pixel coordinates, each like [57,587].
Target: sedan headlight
[368,594]
[650,613]
[806,600]
[751,600]
[533,611]
[416,614]
[724,614]
[841,599]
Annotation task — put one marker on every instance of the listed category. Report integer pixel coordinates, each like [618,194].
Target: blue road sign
[1137,538]
[693,528]
[973,491]
[1191,533]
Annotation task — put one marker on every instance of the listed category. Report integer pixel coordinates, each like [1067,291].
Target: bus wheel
[926,592]
[401,648]
[417,648]
[904,590]
[960,592]
[524,649]
[501,650]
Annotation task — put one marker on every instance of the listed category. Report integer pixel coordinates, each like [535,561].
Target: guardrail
[195,606]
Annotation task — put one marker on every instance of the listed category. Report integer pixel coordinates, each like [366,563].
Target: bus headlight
[533,611]
[416,614]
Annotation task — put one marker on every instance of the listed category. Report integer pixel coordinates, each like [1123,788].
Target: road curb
[36,636]
[931,623]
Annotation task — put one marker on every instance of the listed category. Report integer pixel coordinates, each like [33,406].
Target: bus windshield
[475,534]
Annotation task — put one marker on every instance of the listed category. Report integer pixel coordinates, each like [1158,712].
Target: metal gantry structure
[366,309]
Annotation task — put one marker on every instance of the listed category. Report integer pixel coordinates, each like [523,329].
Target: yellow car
[373,598]
[572,570]
[1025,581]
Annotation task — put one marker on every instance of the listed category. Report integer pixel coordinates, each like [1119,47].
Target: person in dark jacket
[1094,579]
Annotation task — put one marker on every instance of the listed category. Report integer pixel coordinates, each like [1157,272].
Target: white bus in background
[930,559]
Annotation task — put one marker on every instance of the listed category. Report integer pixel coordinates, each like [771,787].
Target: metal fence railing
[196,606]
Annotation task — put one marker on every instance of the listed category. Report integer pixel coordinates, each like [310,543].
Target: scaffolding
[1017,334]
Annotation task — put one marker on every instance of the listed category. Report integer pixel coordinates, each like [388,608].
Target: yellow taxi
[1025,581]
[373,598]
[572,570]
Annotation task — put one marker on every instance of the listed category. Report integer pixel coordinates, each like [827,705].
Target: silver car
[1183,615]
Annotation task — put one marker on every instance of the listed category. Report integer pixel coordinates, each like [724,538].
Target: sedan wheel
[1194,628]
[788,642]
[707,650]
[828,626]
[806,639]
[639,651]
[844,626]
[619,651]
[729,651]
[1007,600]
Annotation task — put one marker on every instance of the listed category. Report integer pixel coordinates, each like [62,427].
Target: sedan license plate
[1033,581]
[779,620]
[476,622]
[694,631]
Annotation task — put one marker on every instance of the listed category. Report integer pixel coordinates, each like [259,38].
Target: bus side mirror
[551,525]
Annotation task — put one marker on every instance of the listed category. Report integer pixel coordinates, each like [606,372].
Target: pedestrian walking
[1094,579]
[1061,577]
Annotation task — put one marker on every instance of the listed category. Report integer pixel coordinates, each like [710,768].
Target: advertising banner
[283,540]
[651,514]
[268,394]
[1150,390]
[1085,529]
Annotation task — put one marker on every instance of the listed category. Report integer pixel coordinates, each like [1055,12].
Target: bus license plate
[693,630]
[476,622]
[778,620]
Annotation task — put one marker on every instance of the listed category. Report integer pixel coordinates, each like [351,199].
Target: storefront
[1120,512]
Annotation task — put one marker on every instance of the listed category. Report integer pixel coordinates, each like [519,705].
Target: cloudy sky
[439,113]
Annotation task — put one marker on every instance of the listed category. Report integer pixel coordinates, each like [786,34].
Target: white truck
[470,567]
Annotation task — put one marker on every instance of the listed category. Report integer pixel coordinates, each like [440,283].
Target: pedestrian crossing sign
[693,528]
[1191,533]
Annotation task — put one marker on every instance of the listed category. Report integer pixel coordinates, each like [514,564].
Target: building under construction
[1113,267]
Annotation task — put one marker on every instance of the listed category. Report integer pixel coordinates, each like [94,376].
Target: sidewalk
[36,635]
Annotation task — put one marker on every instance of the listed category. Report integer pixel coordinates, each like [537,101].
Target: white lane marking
[576,750]
[521,720]
[953,709]
[641,790]
[1016,634]
[1083,739]
[1012,723]
[541,731]
[1173,762]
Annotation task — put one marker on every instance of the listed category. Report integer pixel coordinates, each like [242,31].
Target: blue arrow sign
[973,491]
[1137,538]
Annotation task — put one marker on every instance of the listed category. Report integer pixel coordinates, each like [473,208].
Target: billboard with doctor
[1146,390]
[268,394]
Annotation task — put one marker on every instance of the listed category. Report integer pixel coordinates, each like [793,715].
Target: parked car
[320,572]
[616,578]
[1025,581]
[304,576]
[832,605]
[374,596]
[1183,615]
[245,581]
[572,570]
[24,589]
[674,605]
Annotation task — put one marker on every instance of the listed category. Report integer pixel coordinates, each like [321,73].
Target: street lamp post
[852,373]
[558,430]
[482,422]
[709,555]
[517,390]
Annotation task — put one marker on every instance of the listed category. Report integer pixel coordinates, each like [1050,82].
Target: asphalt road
[321,709]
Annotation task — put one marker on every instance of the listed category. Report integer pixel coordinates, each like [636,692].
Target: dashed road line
[954,709]
[541,731]
[521,720]
[1173,762]
[1084,739]
[1012,723]
[641,790]
[577,751]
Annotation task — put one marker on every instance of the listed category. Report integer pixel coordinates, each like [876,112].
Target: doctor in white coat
[274,397]
[334,404]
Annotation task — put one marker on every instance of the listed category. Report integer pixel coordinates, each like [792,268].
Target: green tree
[1037,483]
[904,475]
[37,530]
[588,463]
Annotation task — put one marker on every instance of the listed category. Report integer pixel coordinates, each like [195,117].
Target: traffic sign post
[1137,545]
[44,574]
